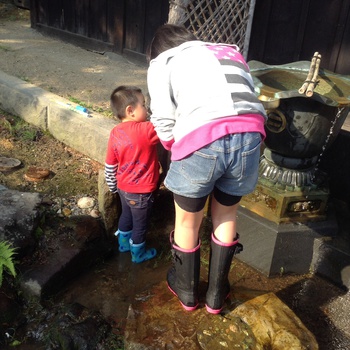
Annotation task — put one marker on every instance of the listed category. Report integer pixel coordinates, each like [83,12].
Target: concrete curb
[50,112]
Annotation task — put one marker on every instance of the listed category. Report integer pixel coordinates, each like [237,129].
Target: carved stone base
[282,206]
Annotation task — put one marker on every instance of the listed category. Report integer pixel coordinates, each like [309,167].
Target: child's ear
[129,110]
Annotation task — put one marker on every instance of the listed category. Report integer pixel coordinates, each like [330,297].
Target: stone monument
[280,221]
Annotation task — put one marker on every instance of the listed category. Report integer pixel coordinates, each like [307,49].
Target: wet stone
[274,324]
[81,243]
[19,218]
[72,326]
[66,212]
[95,213]
[228,332]
[77,327]
[247,322]
[10,311]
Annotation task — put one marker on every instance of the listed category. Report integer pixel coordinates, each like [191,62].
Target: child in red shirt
[132,169]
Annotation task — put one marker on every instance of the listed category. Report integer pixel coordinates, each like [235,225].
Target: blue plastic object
[81,109]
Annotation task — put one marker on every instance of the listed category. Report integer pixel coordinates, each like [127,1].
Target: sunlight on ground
[6,144]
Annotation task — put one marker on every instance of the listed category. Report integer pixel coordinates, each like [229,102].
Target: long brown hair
[166,37]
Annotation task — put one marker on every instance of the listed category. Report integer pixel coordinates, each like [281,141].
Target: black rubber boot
[221,255]
[183,276]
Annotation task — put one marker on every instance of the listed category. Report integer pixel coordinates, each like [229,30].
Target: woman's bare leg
[187,227]
[224,221]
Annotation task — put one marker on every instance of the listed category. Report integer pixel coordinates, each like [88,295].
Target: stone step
[82,244]
[276,249]
[51,261]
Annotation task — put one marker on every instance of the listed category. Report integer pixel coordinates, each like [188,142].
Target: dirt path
[74,73]
[59,67]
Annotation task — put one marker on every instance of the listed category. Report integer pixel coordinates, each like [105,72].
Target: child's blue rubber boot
[123,240]
[139,253]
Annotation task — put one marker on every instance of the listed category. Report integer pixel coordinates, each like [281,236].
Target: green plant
[6,125]
[4,48]
[19,129]
[77,101]
[6,259]
[28,134]
[107,113]
[11,124]
[26,79]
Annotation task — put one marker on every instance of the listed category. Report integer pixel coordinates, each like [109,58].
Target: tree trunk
[177,11]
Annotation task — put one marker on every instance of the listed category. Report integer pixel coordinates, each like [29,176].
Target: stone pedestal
[282,206]
[273,248]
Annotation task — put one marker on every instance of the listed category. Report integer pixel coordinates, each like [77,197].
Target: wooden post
[177,11]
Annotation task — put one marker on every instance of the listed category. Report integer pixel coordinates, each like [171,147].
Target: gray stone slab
[19,218]
[50,276]
[65,256]
[277,249]
[67,126]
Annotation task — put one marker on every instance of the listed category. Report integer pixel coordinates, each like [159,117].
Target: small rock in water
[66,212]
[95,213]
[228,332]
[86,202]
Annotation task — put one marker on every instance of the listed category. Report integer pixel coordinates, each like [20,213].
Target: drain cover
[36,174]
[8,164]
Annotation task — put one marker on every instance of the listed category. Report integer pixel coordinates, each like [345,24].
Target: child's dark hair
[123,96]
[166,37]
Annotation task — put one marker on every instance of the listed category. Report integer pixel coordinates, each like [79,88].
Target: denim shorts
[230,163]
